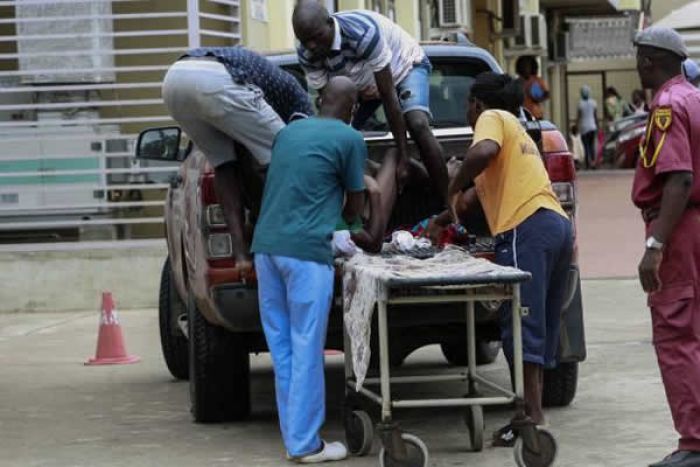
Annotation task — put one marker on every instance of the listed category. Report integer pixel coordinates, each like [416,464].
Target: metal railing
[78,81]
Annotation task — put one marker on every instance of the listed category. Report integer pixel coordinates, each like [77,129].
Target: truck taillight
[560,167]
[565,193]
[219,246]
[215,216]
[208,190]
[213,224]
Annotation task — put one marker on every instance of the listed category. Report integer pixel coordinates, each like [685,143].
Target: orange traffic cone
[110,341]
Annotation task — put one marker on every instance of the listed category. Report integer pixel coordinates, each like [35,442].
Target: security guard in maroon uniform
[667,190]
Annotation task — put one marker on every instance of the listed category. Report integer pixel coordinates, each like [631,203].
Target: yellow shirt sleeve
[491,126]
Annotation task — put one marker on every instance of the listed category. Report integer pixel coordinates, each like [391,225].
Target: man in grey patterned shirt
[229,97]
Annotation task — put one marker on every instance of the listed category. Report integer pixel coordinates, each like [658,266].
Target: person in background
[532,231]
[229,97]
[666,189]
[691,71]
[316,163]
[535,88]
[588,125]
[576,145]
[388,66]
[639,105]
[614,108]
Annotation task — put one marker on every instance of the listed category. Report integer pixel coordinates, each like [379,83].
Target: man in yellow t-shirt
[531,230]
[515,184]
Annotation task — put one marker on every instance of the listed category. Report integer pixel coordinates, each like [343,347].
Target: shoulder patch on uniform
[663,117]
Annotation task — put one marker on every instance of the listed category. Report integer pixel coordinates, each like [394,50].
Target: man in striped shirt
[389,68]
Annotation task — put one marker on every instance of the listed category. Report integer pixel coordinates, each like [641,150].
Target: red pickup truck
[209,321]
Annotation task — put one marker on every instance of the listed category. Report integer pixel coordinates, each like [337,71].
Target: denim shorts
[541,245]
[413,93]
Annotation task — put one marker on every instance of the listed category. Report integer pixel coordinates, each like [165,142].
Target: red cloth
[453,234]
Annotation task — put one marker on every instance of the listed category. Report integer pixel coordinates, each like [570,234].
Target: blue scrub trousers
[295,300]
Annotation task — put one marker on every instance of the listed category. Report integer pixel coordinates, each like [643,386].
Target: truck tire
[456,352]
[172,341]
[219,371]
[560,385]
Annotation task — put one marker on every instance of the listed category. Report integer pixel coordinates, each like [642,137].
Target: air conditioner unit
[510,12]
[453,13]
[533,33]
[538,32]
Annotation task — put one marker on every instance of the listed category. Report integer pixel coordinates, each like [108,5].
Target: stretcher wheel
[524,457]
[416,454]
[474,418]
[359,432]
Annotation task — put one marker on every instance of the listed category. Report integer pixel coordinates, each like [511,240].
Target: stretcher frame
[467,289]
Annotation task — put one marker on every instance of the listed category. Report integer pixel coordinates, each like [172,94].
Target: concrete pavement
[610,229]
[56,412]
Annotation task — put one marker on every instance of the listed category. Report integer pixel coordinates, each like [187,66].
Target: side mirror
[162,144]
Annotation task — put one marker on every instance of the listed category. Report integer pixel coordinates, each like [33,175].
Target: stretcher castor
[526,454]
[359,432]
[474,418]
[416,454]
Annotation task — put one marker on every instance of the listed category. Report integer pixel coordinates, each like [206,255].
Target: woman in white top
[639,104]
[588,124]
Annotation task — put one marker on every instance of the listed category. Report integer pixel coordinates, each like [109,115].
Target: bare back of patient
[382,192]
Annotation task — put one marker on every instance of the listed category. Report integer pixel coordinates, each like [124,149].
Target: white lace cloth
[364,283]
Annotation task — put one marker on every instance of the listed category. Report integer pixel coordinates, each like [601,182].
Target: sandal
[505,437]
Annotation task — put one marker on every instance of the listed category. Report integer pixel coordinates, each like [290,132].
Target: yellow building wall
[255,33]
[356,4]
[530,6]
[486,27]
[141,60]
[659,9]
[556,106]
[153,59]
[8,47]
[277,33]
[282,34]
[628,4]
[407,16]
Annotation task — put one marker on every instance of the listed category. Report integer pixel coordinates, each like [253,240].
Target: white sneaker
[331,452]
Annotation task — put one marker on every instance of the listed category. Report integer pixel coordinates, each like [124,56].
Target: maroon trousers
[675,312]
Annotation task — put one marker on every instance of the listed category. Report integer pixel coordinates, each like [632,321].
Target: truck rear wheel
[456,352]
[560,385]
[219,371]
[172,340]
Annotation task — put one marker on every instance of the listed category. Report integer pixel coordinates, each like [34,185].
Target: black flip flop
[504,437]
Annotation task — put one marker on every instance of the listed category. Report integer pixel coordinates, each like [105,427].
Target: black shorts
[541,245]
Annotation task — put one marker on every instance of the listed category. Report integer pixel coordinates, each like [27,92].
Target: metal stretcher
[534,447]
